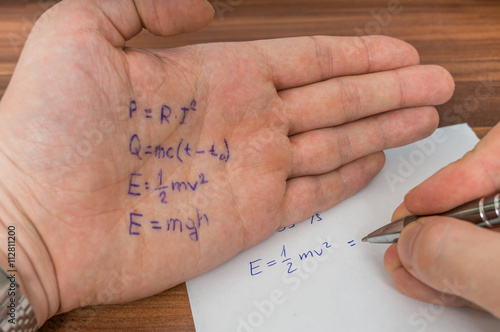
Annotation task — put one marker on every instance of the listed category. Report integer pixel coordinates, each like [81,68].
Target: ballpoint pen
[484,212]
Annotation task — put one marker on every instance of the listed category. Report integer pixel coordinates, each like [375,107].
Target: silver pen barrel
[484,212]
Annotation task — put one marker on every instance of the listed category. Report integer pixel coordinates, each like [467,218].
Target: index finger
[299,61]
[400,213]
[476,174]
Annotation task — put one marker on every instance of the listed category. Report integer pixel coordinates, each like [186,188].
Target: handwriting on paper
[314,218]
[165,187]
[289,262]
[259,265]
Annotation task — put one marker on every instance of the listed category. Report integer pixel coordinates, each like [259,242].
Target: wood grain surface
[462,36]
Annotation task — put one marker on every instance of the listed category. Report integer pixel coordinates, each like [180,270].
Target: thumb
[454,257]
[120,20]
[160,17]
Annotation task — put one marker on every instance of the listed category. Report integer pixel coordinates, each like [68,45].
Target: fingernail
[405,243]
[211,6]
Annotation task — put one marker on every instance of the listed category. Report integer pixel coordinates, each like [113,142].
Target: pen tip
[365,239]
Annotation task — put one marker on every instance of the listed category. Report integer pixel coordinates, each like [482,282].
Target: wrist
[16,313]
[28,257]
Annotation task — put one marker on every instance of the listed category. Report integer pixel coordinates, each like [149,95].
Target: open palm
[134,170]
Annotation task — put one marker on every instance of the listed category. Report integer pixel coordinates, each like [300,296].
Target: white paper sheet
[340,283]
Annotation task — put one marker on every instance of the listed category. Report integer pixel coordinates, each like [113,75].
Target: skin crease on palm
[305,121]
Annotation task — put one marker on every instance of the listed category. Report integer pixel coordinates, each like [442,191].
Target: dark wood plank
[481,131]
[167,311]
[461,35]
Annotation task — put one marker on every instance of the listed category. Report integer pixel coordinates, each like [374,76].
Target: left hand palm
[262,134]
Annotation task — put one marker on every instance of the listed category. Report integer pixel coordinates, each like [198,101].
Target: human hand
[244,138]
[443,260]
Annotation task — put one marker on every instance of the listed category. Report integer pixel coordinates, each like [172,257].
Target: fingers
[400,212]
[294,62]
[391,259]
[475,175]
[453,257]
[119,21]
[346,99]
[323,150]
[438,257]
[307,195]
[414,288]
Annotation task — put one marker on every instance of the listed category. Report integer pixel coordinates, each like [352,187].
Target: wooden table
[461,35]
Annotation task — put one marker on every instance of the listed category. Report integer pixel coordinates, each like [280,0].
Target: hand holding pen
[483,212]
[442,260]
